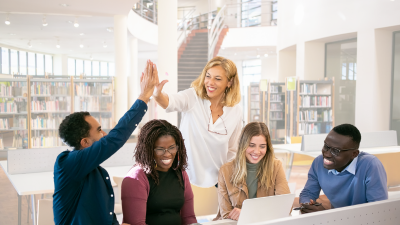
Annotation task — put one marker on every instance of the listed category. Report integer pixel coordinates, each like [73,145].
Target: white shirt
[206,151]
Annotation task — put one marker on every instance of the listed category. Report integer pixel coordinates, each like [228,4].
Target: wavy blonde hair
[232,94]
[266,169]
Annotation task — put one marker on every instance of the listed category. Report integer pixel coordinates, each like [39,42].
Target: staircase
[192,58]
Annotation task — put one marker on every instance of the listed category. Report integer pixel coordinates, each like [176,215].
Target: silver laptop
[258,210]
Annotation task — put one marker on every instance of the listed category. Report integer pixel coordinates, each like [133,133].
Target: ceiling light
[76,24]
[58,46]
[12,34]
[29,44]
[265,55]
[91,58]
[44,22]
[81,45]
[235,53]
[81,34]
[104,45]
[258,56]
[7,22]
[64,5]
[110,29]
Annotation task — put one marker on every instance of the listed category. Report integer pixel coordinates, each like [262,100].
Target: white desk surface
[296,148]
[43,183]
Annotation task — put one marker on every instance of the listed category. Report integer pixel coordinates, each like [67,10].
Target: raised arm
[161,98]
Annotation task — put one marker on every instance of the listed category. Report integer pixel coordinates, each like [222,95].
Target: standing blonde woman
[254,173]
[211,119]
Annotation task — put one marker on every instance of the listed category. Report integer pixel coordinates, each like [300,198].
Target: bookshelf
[32,107]
[255,103]
[13,113]
[275,115]
[310,108]
[96,97]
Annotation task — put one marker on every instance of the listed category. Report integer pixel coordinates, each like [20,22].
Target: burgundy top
[135,191]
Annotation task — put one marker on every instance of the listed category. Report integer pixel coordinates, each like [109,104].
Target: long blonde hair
[232,94]
[266,169]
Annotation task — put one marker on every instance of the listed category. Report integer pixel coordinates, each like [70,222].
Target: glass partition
[395,108]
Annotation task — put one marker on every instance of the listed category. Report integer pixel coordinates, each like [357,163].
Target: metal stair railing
[215,30]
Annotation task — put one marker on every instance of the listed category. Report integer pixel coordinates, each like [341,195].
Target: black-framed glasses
[226,131]
[335,151]
[171,150]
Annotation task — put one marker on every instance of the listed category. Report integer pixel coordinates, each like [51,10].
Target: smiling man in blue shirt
[346,176]
[83,193]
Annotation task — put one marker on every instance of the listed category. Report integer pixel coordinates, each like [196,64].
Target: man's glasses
[226,132]
[334,151]
[161,151]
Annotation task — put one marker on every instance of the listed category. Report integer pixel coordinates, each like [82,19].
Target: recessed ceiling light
[29,44]
[104,45]
[44,22]
[265,55]
[110,29]
[76,24]
[64,5]
[58,46]
[7,22]
[81,34]
[258,56]
[235,53]
[12,34]
[81,45]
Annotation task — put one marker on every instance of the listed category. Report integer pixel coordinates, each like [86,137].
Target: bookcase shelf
[276,112]
[32,108]
[255,103]
[310,108]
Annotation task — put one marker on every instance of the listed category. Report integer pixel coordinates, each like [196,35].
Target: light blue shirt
[351,168]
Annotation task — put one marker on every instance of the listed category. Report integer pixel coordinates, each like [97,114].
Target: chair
[117,195]
[45,212]
[205,200]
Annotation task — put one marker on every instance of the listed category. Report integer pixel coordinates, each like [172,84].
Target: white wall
[251,36]
[142,29]
[269,69]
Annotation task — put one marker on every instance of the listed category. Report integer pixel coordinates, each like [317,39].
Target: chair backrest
[390,162]
[45,212]
[117,192]
[295,140]
[205,200]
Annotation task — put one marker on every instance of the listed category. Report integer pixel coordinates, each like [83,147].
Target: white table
[296,149]
[43,183]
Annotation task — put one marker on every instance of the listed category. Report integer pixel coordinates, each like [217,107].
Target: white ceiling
[94,17]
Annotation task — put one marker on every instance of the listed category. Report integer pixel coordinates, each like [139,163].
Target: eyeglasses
[226,132]
[161,151]
[334,151]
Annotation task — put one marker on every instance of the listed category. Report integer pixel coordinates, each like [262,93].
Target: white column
[167,52]
[286,63]
[60,64]
[121,66]
[134,75]
[374,57]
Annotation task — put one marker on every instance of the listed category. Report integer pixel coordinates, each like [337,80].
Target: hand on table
[234,214]
[311,207]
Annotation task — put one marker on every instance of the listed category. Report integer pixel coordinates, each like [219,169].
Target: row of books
[255,97]
[50,88]
[83,89]
[14,89]
[4,124]
[20,123]
[255,105]
[276,89]
[46,141]
[276,106]
[20,139]
[254,90]
[8,107]
[277,98]
[308,88]
[315,116]
[315,101]
[50,106]
[46,123]
[314,128]
[92,104]
[276,115]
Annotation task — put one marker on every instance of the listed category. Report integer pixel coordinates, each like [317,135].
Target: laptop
[258,210]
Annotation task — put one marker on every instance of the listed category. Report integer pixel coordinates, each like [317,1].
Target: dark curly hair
[73,128]
[144,151]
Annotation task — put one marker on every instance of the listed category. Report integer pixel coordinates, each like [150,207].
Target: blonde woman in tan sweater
[254,173]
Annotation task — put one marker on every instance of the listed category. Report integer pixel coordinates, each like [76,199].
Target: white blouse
[206,151]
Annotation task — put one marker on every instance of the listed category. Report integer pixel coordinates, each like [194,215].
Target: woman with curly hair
[157,189]
[254,173]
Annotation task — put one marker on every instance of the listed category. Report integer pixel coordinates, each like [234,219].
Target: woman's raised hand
[148,81]
[159,86]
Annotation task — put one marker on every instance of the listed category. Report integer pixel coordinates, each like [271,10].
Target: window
[40,64]
[5,61]
[71,67]
[96,68]
[341,63]
[251,13]
[274,11]
[111,69]
[31,63]
[14,62]
[88,68]
[251,73]
[48,59]
[79,67]
[23,67]
[103,69]
[395,106]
